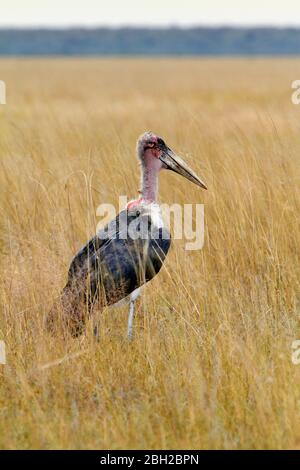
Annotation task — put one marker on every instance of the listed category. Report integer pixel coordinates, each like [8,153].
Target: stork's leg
[130,319]
[133,296]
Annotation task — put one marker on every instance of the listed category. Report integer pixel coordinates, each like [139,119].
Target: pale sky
[145,12]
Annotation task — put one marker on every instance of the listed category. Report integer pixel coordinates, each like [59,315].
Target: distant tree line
[151,41]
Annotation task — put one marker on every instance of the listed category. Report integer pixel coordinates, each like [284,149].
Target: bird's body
[121,263]
[128,252]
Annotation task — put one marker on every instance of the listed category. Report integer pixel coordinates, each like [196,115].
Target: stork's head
[152,151]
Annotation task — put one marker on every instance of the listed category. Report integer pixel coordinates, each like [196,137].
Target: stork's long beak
[175,163]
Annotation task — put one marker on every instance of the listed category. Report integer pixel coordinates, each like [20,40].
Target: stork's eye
[149,145]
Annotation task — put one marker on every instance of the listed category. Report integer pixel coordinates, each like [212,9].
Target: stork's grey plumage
[113,266]
[125,254]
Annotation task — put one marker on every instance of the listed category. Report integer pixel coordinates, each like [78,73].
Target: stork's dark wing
[108,268]
[116,261]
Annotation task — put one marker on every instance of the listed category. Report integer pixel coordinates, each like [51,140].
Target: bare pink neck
[150,170]
[151,166]
[149,185]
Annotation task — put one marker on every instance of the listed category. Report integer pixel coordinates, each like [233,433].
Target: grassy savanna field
[210,364]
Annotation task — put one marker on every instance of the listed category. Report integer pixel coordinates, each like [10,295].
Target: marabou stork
[128,252]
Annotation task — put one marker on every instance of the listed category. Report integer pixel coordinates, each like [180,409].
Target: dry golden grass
[210,365]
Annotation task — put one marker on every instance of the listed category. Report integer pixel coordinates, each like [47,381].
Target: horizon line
[151,26]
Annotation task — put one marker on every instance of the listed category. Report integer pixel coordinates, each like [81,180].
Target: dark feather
[113,264]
